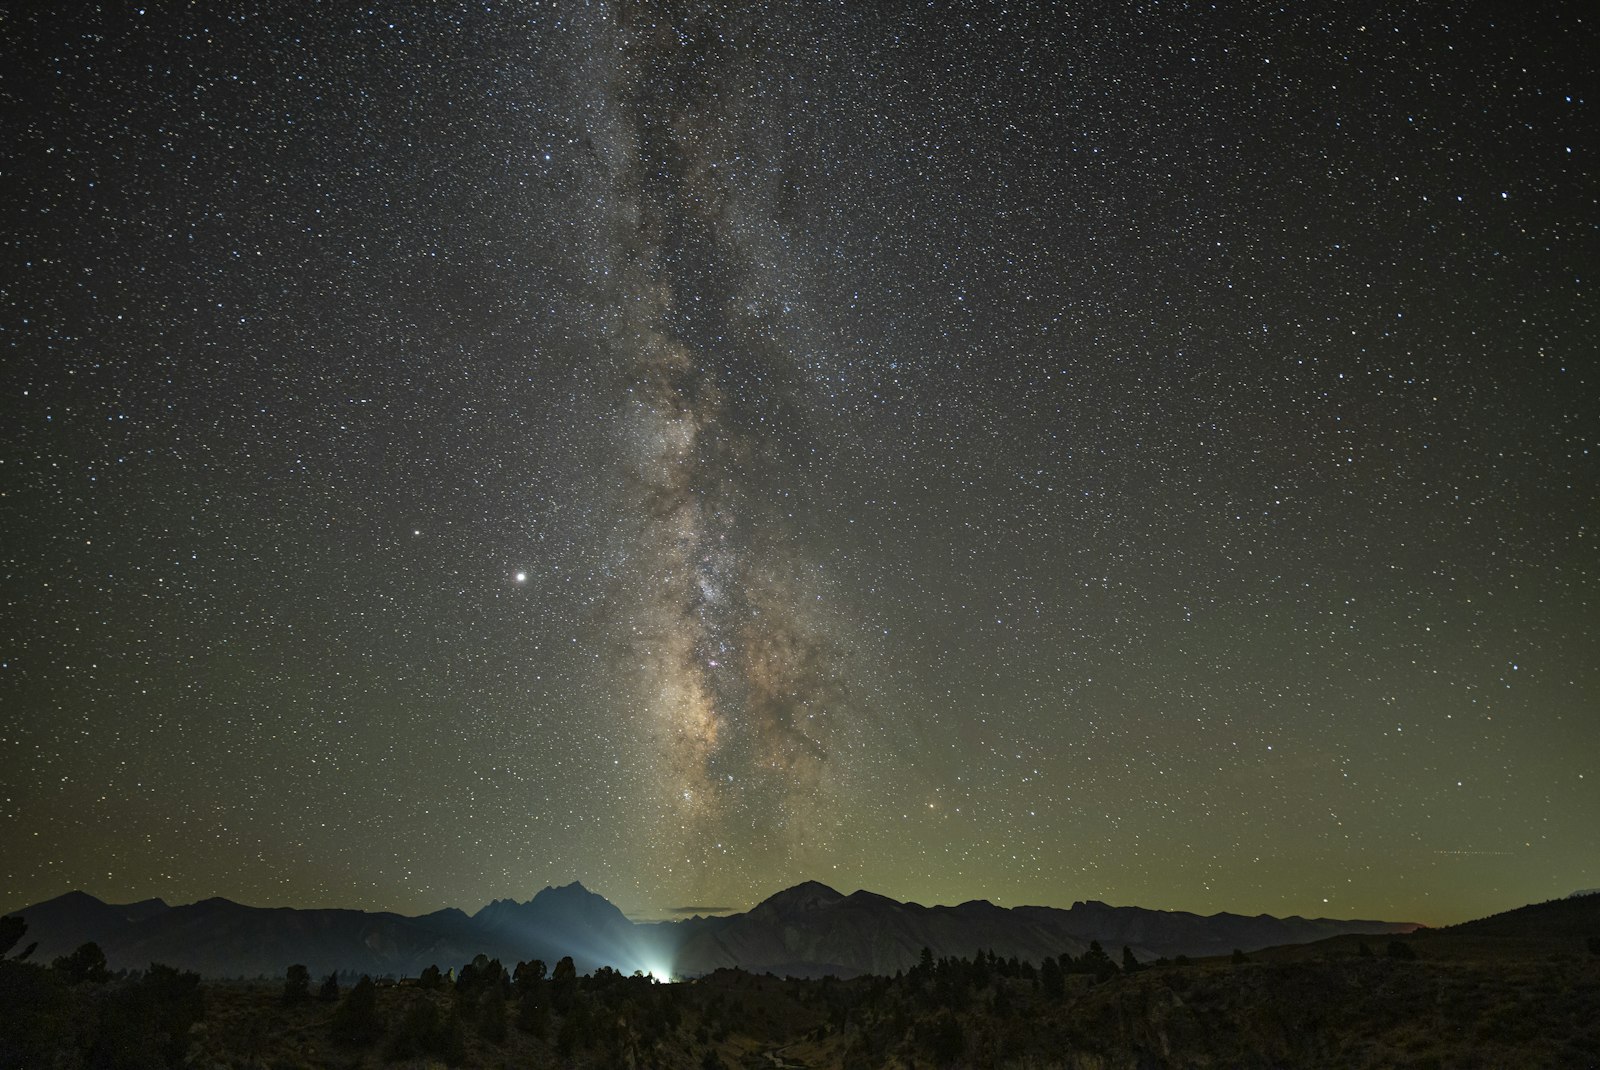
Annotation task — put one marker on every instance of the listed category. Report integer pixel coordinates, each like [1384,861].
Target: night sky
[1134,453]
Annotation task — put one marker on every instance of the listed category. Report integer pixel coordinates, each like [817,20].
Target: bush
[564,985]
[943,1038]
[533,1016]
[1096,961]
[567,1038]
[87,964]
[356,1020]
[492,1017]
[37,1015]
[12,928]
[1051,983]
[296,984]
[529,975]
[145,1023]
[424,1031]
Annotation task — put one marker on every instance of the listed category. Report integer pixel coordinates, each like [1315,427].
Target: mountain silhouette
[570,920]
[809,930]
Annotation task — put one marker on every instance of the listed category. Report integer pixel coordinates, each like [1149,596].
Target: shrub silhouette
[12,929]
[567,1038]
[491,1016]
[426,1031]
[356,1020]
[528,975]
[564,985]
[1051,983]
[533,1016]
[329,992]
[296,984]
[943,1038]
[87,964]
[146,1023]
[38,1014]
[1096,961]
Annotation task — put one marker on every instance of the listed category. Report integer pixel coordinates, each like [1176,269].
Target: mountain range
[809,930]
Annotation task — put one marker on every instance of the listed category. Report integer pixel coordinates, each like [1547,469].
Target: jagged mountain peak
[564,907]
[558,897]
[866,898]
[573,896]
[76,897]
[808,895]
[808,929]
[573,891]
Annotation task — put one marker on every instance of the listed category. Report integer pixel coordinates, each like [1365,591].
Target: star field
[1143,454]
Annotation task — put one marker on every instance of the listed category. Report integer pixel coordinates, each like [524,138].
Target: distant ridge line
[809,929]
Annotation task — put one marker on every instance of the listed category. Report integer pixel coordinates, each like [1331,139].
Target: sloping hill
[1571,919]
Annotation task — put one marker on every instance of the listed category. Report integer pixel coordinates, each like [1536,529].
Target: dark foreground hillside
[1447,998]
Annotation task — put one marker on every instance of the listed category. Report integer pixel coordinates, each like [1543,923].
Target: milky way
[735,674]
[1036,453]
